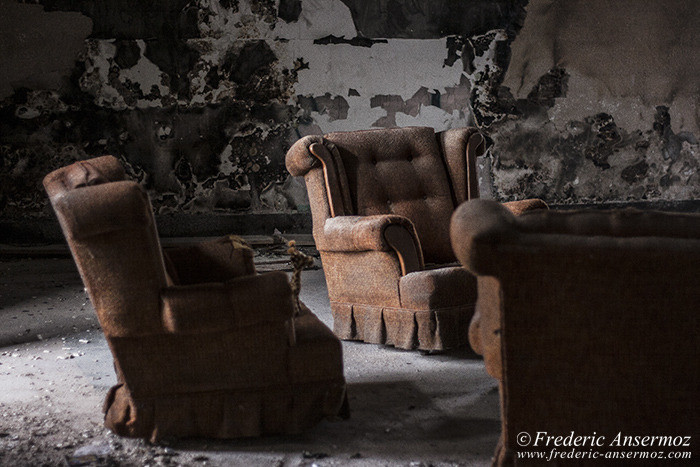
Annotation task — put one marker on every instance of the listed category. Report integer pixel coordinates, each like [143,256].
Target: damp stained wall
[201,99]
[602,103]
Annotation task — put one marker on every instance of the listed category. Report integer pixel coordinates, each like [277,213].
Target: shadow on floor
[40,299]
[389,420]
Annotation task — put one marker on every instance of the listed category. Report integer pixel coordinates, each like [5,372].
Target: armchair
[381,202]
[588,319]
[202,345]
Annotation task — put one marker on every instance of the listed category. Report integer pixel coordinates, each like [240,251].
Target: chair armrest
[386,232]
[213,261]
[243,301]
[475,230]
[525,205]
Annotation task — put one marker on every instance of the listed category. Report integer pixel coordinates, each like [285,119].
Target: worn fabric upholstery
[202,345]
[462,171]
[362,233]
[210,261]
[360,183]
[525,205]
[588,319]
[401,172]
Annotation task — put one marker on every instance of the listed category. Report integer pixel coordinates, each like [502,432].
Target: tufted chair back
[110,229]
[404,171]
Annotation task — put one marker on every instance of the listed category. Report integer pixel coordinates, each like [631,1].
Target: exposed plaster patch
[424,108]
[398,67]
[388,79]
[436,118]
[146,74]
[139,86]
[319,18]
[393,104]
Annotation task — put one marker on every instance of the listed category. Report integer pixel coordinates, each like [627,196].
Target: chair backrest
[598,317]
[108,223]
[412,172]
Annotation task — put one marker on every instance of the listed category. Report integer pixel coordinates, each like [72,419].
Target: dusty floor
[407,408]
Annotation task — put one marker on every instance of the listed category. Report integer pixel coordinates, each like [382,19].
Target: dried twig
[300,261]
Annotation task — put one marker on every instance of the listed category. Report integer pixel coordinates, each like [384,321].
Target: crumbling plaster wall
[202,98]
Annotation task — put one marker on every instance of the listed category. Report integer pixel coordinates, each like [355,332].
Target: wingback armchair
[381,202]
[202,345]
[588,319]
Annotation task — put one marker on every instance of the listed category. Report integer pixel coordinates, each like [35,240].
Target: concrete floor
[55,369]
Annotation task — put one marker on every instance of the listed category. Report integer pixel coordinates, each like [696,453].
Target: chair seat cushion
[436,308]
[428,310]
[437,288]
[211,261]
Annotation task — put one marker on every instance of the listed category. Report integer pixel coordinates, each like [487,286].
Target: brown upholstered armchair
[588,319]
[381,202]
[202,345]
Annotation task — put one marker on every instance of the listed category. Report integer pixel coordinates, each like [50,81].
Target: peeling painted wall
[201,99]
